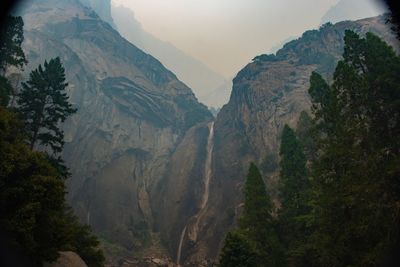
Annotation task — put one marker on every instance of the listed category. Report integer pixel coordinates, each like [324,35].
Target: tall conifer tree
[43,104]
[238,251]
[11,53]
[257,222]
[294,215]
[356,174]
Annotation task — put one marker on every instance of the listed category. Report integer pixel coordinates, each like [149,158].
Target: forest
[36,222]
[339,173]
[338,196]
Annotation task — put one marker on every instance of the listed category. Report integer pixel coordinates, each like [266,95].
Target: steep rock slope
[102,8]
[132,113]
[267,94]
[205,83]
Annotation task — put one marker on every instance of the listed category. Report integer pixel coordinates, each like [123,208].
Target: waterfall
[193,229]
[178,256]
[207,169]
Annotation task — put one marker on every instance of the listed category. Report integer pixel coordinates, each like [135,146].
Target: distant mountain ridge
[205,83]
[140,142]
[353,10]
[102,8]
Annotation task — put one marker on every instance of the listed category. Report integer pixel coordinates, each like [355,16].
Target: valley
[155,174]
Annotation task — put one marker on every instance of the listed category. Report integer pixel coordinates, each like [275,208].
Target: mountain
[195,74]
[132,115]
[279,45]
[152,173]
[353,10]
[268,93]
[102,8]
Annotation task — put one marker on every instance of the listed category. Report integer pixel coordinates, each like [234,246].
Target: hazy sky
[227,34]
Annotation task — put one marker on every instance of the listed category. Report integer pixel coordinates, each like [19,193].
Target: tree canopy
[32,202]
[340,188]
[43,104]
[11,38]
[34,217]
[11,53]
[238,251]
[356,173]
[256,236]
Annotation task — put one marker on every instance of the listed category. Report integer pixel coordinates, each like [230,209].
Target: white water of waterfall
[207,169]
[178,256]
[193,230]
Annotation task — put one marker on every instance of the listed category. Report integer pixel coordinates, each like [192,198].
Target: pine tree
[257,223]
[294,216]
[11,53]
[237,251]
[43,104]
[11,38]
[31,194]
[305,133]
[356,173]
[293,173]
[5,91]
[33,212]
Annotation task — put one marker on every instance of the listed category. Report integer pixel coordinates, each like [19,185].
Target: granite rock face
[102,8]
[141,147]
[268,93]
[209,86]
[132,114]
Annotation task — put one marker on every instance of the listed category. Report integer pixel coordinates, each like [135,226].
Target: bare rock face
[267,94]
[102,8]
[150,169]
[132,114]
[67,259]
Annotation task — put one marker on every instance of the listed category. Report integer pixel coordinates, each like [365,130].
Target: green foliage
[305,133]
[11,53]
[237,251]
[356,174]
[343,208]
[257,204]
[294,217]
[11,38]
[5,91]
[43,105]
[257,223]
[32,204]
[32,195]
[293,172]
[34,214]
[256,242]
[79,238]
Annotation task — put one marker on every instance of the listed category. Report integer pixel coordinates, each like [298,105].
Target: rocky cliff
[206,84]
[268,93]
[152,174]
[102,8]
[132,114]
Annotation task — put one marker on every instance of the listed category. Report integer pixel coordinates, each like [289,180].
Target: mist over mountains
[353,10]
[209,87]
[153,172]
[204,82]
[102,8]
